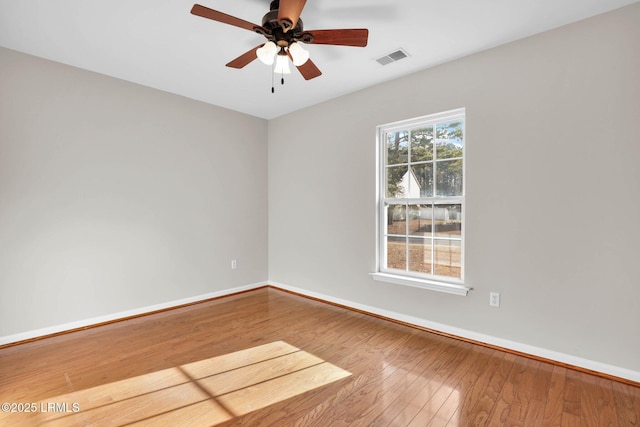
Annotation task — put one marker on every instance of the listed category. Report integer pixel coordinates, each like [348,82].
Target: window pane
[420,255]
[448,220]
[422,144]
[423,177]
[396,253]
[449,178]
[420,220]
[448,259]
[449,141]
[397,147]
[396,219]
[397,182]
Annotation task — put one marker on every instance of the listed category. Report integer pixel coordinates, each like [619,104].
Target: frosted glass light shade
[267,53]
[299,54]
[282,65]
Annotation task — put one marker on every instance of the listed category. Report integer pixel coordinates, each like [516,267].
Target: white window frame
[420,280]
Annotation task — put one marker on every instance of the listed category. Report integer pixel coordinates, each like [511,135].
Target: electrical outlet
[234,264]
[494,299]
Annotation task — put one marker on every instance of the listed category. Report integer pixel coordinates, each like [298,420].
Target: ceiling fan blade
[289,12]
[244,59]
[346,37]
[205,12]
[309,70]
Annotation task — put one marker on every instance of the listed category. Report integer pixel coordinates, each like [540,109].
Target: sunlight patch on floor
[206,392]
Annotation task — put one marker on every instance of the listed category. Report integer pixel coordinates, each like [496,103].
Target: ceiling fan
[284,31]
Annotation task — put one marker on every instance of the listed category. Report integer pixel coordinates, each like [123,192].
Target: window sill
[431,285]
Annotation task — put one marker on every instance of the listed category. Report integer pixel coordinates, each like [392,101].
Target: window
[421,202]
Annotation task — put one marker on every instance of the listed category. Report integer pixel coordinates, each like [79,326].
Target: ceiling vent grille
[394,56]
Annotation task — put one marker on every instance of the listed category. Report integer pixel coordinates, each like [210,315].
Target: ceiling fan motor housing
[276,30]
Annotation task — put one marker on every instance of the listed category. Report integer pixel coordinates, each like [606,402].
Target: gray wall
[553,200]
[115,197]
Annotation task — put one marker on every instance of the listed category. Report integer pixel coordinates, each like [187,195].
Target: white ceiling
[158,43]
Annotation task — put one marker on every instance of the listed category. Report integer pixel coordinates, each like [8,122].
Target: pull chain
[273,89]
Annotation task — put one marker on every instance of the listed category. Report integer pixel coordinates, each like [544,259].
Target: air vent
[394,56]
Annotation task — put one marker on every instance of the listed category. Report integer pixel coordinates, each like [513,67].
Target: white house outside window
[421,202]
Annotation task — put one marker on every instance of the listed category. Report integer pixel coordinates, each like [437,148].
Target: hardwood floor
[267,357]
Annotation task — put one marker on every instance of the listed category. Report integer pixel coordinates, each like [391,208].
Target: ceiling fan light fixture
[267,53]
[299,54]
[282,64]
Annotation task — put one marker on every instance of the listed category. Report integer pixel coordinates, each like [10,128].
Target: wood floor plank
[606,403]
[271,358]
[402,410]
[627,403]
[474,386]
[440,406]
[412,401]
[572,397]
[554,400]
[570,420]
[592,398]
[527,405]
[506,397]
[488,396]
[460,402]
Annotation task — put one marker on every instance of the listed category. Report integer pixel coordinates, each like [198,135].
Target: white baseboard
[563,358]
[122,315]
